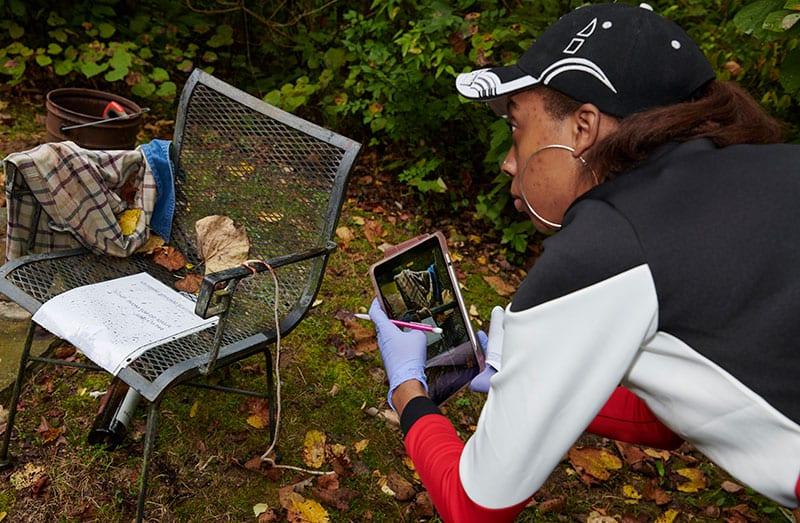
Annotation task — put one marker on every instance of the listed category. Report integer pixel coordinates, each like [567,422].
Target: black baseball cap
[622,58]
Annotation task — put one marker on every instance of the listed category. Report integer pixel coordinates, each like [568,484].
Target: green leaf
[121,59]
[223,36]
[145,53]
[273,98]
[54,19]
[159,75]
[114,75]
[209,56]
[185,66]
[167,90]
[17,7]
[53,48]
[15,31]
[90,69]
[58,34]
[43,60]
[106,30]
[793,5]
[64,67]
[144,89]
[103,11]
[790,71]
[139,23]
[335,58]
[750,19]
[774,20]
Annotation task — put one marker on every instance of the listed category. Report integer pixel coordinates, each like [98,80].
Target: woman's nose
[508,167]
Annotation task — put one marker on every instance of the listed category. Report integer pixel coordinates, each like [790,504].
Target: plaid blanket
[61,196]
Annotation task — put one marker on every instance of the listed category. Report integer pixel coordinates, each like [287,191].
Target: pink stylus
[406,324]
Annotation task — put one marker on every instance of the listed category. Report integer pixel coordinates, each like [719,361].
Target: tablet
[416,282]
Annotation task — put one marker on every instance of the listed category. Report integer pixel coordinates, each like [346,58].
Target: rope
[265,456]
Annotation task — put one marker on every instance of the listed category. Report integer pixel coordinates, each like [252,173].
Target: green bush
[381,72]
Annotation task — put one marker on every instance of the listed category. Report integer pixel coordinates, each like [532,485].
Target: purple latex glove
[492,346]
[403,353]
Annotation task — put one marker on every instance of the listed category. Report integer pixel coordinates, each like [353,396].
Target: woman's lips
[519,204]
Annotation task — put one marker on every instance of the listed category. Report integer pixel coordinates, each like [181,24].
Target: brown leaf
[40,484]
[339,459]
[422,506]
[598,463]
[190,283]
[254,463]
[268,516]
[153,242]
[652,492]
[169,257]
[373,230]
[731,487]
[314,449]
[659,454]
[221,244]
[630,453]
[328,481]
[258,410]
[345,234]
[500,286]
[63,352]
[552,505]
[402,488]
[337,498]
[47,433]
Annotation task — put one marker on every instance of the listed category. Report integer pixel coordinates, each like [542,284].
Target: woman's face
[551,179]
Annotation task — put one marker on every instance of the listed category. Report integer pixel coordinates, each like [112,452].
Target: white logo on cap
[576,43]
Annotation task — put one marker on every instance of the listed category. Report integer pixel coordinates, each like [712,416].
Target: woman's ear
[586,127]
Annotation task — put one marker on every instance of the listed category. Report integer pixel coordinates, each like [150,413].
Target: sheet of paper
[114,321]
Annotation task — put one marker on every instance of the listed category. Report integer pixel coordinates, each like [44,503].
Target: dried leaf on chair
[169,257]
[154,241]
[222,245]
[190,283]
[128,221]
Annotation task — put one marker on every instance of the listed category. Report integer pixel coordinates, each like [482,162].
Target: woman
[675,272]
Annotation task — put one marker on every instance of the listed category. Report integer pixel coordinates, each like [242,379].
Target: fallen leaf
[302,510]
[260,508]
[47,433]
[345,234]
[500,286]
[402,488]
[373,230]
[597,517]
[169,257]
[314,449]
[391,417]
[63,352]
[473,311]
[552,505]
[268,516]
[597,463]
[660,454]
[696,480]
[630,492]
[358,220]
[153,242]
[653,493]
[128,221]
[193,412]
[190,283]
[731,487]
[3,515]
[422,506]
[339,459]
[26,477]
[361,445]
[630,453]
[40,484]
[668,516]
[258,408]
[220,243]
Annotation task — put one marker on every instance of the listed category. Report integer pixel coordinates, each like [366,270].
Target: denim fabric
[157,155]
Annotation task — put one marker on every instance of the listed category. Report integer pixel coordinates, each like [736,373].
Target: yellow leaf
[26,477]
[314,449]
[345,234]
[82,391]
[260,508]
[697,480]
[256,421]
[153,242]
[661,454]
[128,221]
[193,413]
[668,516]
[3,515]
[630,492]
[358,220]
[596,462]
[361,445]
[309,510]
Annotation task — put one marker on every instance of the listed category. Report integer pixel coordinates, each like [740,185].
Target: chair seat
[32,280]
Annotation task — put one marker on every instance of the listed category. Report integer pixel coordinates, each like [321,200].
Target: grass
[204,440]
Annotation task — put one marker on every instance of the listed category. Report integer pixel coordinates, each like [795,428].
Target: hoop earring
[528,204]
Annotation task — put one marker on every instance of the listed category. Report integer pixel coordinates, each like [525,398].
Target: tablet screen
[416,286]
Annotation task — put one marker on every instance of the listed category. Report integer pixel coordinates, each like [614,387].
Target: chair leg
[149,443]
[271,396]
[5,459]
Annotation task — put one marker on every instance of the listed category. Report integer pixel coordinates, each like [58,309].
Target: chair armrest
[218,285]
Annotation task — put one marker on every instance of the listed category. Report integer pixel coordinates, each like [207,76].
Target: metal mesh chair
[281,177]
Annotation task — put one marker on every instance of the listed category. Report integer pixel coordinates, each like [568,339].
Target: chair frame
[215,298]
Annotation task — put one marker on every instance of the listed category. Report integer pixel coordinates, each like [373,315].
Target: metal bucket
[67,107]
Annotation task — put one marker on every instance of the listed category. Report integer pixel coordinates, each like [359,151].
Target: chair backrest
[279,176]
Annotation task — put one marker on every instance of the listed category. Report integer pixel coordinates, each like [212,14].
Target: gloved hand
[403,353]
[492,346]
